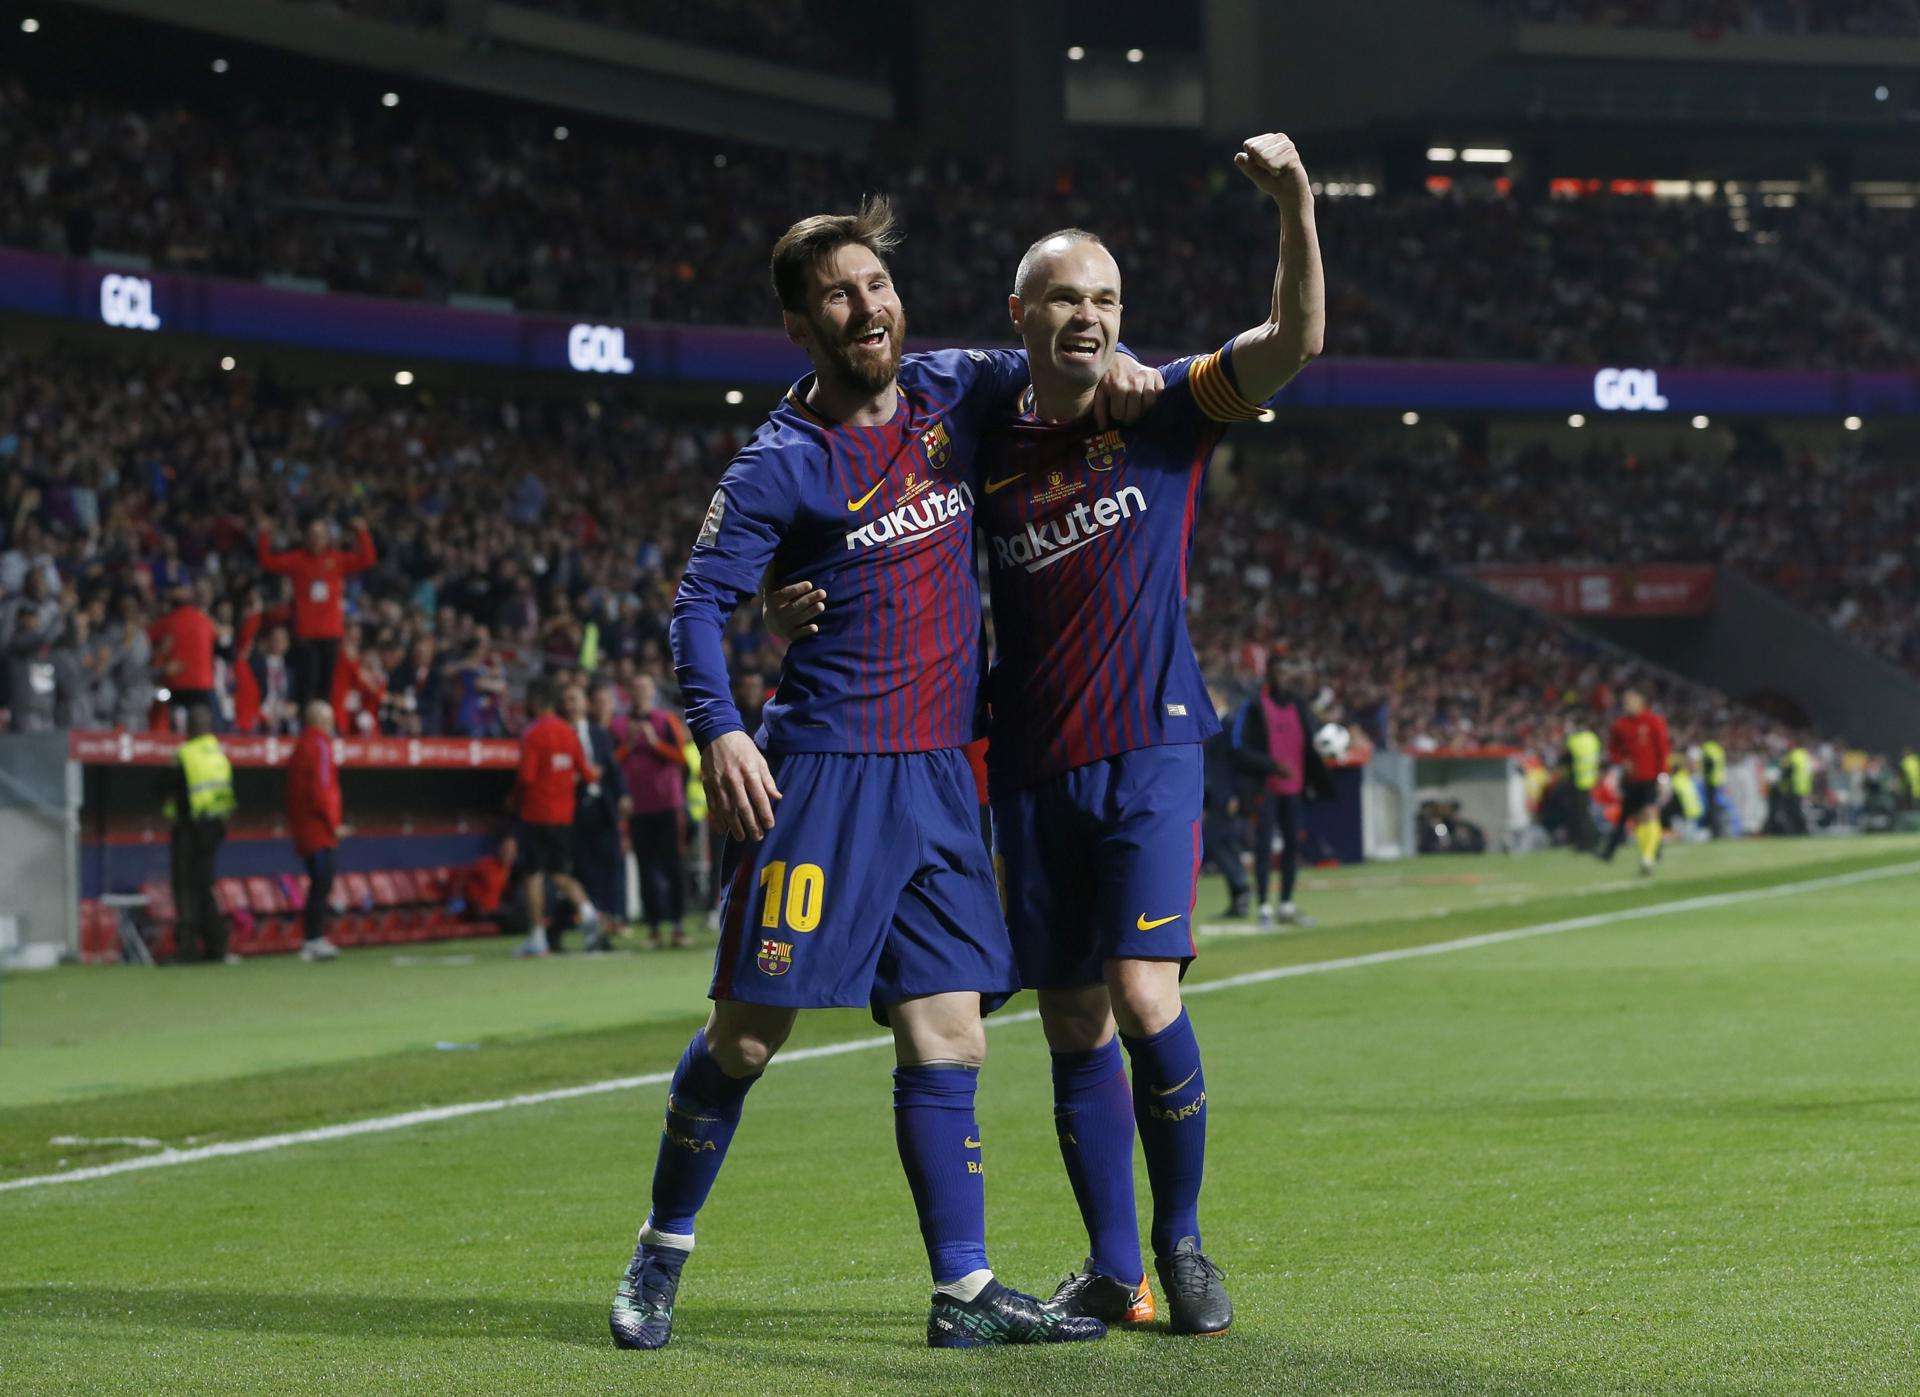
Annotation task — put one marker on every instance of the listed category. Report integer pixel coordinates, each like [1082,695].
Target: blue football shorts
[873,886]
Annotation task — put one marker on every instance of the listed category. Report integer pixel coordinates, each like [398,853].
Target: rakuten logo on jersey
[1044,544]
[929,514]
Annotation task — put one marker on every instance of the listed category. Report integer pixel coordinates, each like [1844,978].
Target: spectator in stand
[552,762]
[1273,744]
[652,746]
[77,667]
[319,573]
[129,670]
[30,624]
[413,691]
[314,813]
[598,862]
[359,686]
[183,654]
[272,674]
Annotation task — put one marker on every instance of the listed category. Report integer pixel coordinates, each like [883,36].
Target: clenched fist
[1273,163]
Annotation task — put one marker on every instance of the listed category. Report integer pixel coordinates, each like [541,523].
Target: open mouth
[1080,348]
[876,338]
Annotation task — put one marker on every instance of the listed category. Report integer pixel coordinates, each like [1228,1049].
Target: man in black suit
[597,860]
[1223,826]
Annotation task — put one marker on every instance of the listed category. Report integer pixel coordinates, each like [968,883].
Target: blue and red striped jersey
[881,518]
[1088,534]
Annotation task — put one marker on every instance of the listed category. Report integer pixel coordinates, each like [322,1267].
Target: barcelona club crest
[1104,450]
[776,957]
[938,444]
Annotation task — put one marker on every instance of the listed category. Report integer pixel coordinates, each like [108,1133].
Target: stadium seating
[381,907]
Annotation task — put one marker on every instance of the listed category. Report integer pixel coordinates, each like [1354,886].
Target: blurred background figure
[183,655]
[1272,742]
[199,802]
[653,747]
[314,815]
[552,764]
[318,572]
[598,862]
[1224,828]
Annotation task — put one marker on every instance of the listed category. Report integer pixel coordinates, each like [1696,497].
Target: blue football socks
[703,1109]
[1170,1105]
[939,1139]
[1093,1116]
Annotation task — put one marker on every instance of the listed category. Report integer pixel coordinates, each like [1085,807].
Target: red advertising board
[1662,589]
[441,753]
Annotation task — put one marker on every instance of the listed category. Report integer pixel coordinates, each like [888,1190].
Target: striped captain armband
[1213,390]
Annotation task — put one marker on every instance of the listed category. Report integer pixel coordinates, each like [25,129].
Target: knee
[939,1028]
[955,1043]
[742,1053]
[1076,1025]
[1146,995]
[745,1048]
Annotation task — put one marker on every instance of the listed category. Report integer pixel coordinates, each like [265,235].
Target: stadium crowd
[1833,532]
[394,203]
[803,33]
[1411,661]
[516,537]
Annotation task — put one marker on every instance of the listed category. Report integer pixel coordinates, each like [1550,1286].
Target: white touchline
[377,1125]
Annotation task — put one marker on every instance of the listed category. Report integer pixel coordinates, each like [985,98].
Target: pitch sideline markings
[376,1125]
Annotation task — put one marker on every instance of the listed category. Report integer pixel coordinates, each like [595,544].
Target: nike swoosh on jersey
[1003,483]
[1144,925]
[1169,1091]
[857,505]
[971,1144]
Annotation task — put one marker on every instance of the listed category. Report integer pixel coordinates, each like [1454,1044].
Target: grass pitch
[1657,1151]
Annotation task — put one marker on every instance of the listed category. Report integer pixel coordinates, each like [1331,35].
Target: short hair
[806,242]
[1068,235]
[199,720]
[540,694]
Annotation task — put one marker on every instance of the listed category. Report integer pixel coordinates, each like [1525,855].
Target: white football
[1332,742]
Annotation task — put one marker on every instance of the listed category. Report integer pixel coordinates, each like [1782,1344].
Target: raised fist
[1273,163]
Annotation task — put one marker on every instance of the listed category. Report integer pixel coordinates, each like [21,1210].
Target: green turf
[1670,1154]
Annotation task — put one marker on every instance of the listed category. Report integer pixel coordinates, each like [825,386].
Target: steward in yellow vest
[1713,777]
[199,803]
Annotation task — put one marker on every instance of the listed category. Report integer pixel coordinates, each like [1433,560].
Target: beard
[865,373]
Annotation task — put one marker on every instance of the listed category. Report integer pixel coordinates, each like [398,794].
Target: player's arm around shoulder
[1294,333]
[992,380]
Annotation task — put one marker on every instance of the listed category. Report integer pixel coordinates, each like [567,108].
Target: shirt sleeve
[745,522]
[1202,395]
[269,560]
[362,555]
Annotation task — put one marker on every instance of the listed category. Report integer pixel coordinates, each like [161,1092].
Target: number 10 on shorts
[802,895]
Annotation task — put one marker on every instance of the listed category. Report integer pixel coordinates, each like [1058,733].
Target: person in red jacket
[313,811]
[319,574]
[482,885]
[552,762]
[183,642]
[1639,745]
